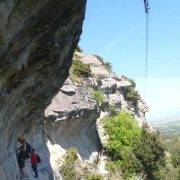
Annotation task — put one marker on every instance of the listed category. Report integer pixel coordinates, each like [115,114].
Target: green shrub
[123,132]
[173,174]
[71,155]
[133,150]
[173,147]
[94,177]
[149,149]
[112,110]
[108,65]
[80,69]
[98,96]
[67,170]
[132,95]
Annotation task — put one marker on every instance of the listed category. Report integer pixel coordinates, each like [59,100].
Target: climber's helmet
[21,139]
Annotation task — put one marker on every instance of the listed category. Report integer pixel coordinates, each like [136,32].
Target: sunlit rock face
[71,122]
[37,41]
[74,119]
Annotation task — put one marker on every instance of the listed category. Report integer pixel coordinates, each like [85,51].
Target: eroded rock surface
[73,118]
[37,41]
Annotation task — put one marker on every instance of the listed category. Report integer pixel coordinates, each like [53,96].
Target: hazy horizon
[162,96]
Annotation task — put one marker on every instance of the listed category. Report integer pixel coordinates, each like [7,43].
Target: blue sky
[115,30]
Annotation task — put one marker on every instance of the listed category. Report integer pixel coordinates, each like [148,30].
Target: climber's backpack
[28,148]
[38,159]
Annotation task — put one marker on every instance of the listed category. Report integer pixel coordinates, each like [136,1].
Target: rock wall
[71,122]
[73,119]
[37,41]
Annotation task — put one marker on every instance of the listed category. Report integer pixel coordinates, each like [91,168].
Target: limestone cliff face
[37,41]
[73,119]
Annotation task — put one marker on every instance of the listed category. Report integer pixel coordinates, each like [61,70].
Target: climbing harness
[147,8]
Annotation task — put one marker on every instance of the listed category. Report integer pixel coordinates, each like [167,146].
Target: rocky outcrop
[73,119]
[37,41]
[71,122]
[113,86]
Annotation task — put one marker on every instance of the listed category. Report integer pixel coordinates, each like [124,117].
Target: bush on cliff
[112,110]
[123,132]
[80,69]
[98,96]
[131,149]
[67,170]
[93,176]
[132,95]
[173,147]
[150,151]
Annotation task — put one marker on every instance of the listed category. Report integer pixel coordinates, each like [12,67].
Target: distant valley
[167,126]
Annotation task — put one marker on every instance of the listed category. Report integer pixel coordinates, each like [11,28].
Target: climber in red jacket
[24,152]
[35,159]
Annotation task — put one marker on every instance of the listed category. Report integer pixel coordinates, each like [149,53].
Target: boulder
[108,85]
[115,99]
[123,85]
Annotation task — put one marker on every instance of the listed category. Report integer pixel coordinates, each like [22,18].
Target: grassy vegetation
[150,151]
[112,110]
[80,69]
[123,132]
[132,95]
[67,170]
[94,177]
[173,147]
[131,149]
[98,96]
[173,174]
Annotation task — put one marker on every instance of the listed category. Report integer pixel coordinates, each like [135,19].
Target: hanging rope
[147,51]
[146,4]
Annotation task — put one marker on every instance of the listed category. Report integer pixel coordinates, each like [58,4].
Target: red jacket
[34,158]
